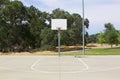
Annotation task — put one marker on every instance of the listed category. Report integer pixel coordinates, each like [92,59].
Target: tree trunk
[111,45]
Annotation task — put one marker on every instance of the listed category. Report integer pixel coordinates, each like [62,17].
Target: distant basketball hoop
[62,23]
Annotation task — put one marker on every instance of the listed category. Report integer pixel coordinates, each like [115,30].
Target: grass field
[91,51]
[97,51]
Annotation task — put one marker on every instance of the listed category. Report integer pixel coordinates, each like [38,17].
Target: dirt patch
[96,45]
[63,49]
[70,48]
[29,53]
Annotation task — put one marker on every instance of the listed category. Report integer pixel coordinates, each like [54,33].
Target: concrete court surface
[59,68]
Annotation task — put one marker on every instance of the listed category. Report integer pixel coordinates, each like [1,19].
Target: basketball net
[59,28]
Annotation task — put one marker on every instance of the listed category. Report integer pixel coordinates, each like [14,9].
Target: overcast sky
[98,12]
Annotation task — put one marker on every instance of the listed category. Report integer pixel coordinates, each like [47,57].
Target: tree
[92,38]
[111,35]
[49,39]
[101,38]
[77,28]
[15,26]
[119,36]
[86,23]
[23,28]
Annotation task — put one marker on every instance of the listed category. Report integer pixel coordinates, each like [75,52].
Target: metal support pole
[59,43]
[83,27]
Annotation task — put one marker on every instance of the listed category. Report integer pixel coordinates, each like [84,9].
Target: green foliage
[24,28]
[100,38]
[86,23]
[49,40]
[111,34]
[119,36]
[92,38]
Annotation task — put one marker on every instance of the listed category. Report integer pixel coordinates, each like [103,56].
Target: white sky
[98,12]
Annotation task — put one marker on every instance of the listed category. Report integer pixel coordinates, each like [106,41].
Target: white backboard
[59,23]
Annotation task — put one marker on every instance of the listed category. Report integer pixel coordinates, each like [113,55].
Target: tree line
[26,28]
[110,35]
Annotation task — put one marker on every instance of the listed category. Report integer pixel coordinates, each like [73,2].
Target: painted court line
[51,72]
[91,69]
[87,67]
[33,68]
[34,64]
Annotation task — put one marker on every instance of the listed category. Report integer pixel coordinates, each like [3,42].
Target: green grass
[97,51]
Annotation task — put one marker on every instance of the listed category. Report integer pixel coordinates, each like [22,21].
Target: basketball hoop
[59,24]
